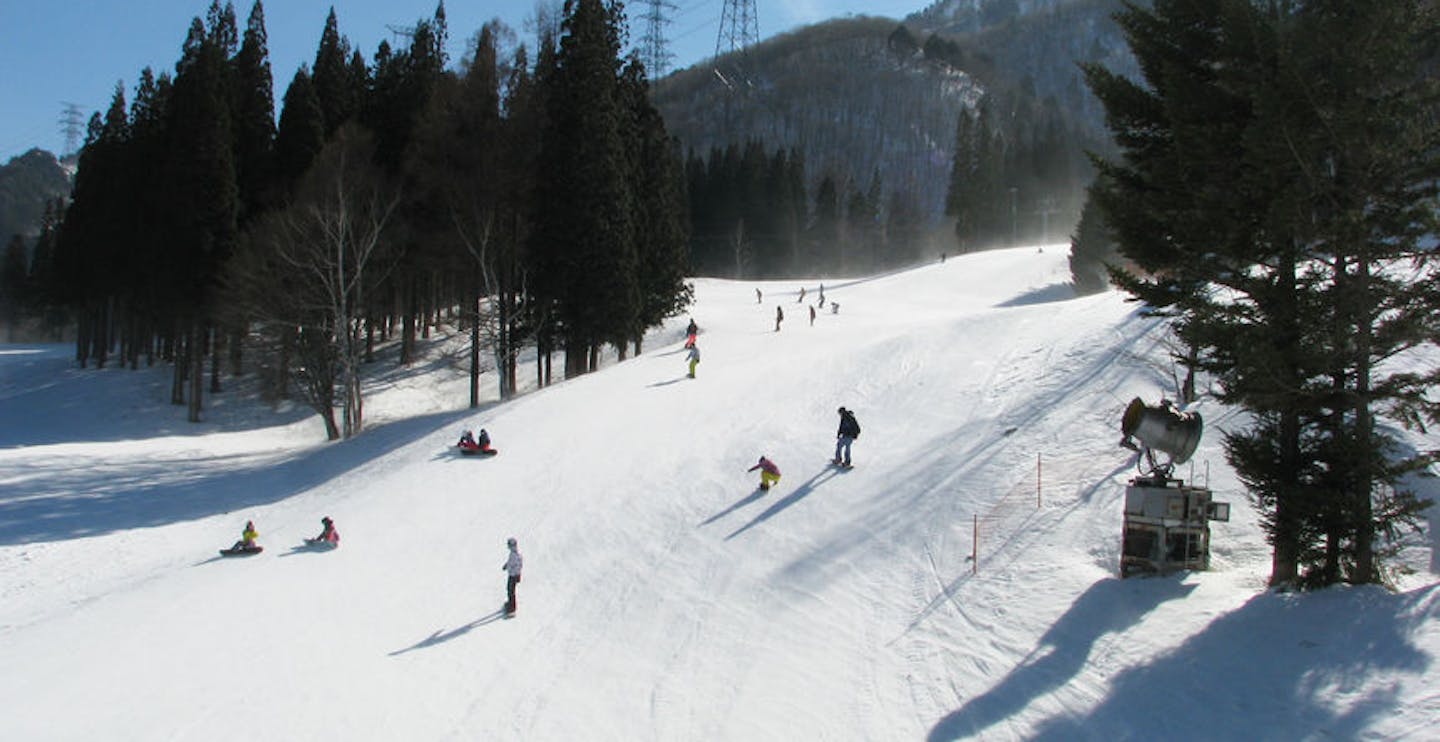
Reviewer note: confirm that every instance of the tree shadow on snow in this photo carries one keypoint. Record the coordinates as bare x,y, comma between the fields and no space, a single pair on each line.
1043,295
799,494
1109,606
442,636
1282,666
79,499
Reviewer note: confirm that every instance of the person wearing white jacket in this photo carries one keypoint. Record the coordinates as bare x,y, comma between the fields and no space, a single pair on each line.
511,567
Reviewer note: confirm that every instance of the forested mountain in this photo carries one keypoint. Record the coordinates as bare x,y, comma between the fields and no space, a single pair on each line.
27,183
874,106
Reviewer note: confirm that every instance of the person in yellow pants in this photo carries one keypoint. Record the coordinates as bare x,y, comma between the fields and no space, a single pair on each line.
769,473
694,356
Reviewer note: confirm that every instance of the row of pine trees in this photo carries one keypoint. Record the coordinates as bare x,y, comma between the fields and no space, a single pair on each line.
540,204
1276,194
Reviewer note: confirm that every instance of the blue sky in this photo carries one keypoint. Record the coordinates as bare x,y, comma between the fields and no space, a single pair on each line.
54,52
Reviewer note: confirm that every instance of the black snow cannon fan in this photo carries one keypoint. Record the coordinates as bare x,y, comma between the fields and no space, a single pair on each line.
1163,428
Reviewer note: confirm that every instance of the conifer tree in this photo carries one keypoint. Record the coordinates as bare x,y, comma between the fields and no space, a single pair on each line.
301,132
584,244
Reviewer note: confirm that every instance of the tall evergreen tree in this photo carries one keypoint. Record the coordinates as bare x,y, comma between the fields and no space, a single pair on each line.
1263,250
585,244
254,111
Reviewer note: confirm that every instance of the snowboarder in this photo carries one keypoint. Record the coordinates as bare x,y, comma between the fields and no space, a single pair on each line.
812,316
694,357
848,432
758,298
769,473
511,567
467,440
328,534
821,303
801,300
779,316
690,332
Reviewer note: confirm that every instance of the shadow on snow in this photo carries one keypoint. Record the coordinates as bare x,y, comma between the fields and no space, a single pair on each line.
92,501
442,636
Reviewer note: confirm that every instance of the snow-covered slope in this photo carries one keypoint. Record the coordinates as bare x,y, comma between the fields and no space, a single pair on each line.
664,596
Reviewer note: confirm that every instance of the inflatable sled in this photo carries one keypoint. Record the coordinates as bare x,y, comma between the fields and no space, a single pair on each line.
242,551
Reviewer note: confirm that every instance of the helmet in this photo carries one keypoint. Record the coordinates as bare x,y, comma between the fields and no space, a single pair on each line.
511,542
325,520
841,410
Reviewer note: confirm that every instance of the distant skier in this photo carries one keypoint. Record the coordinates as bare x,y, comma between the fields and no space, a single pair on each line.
812,316
801,300
328,534
821,303
848,432
779,317
511,567
694,358
690,332
758,296
769,473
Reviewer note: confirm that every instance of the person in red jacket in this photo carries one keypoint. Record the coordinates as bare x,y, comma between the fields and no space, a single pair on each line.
769,472
328,534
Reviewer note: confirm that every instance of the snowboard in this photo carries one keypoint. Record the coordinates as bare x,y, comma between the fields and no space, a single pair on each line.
317,544
840,466
242,551
477,452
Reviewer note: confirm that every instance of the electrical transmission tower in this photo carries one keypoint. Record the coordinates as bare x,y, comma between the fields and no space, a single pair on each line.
653,52
739,30
72,121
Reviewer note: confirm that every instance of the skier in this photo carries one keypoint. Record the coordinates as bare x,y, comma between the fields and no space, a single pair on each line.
511,567
328,534
849,431
779,315
801,300
769,473
690,332
247,537
758,298
821,303
694,357
812,316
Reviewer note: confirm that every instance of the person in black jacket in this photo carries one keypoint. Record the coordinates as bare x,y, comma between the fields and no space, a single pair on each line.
849,431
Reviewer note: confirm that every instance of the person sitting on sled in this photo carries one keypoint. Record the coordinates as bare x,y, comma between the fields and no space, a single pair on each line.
328,535
467,440
247,537
769,472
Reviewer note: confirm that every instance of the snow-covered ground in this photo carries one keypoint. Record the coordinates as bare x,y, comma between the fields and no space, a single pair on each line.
665,597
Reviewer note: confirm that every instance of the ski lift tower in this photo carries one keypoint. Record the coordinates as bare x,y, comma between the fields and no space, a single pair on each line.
1167,522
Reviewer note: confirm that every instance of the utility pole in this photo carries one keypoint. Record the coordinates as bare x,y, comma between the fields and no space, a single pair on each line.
653,52
72,120
739,30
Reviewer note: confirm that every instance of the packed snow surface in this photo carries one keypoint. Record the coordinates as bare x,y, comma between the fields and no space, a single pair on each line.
665,596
